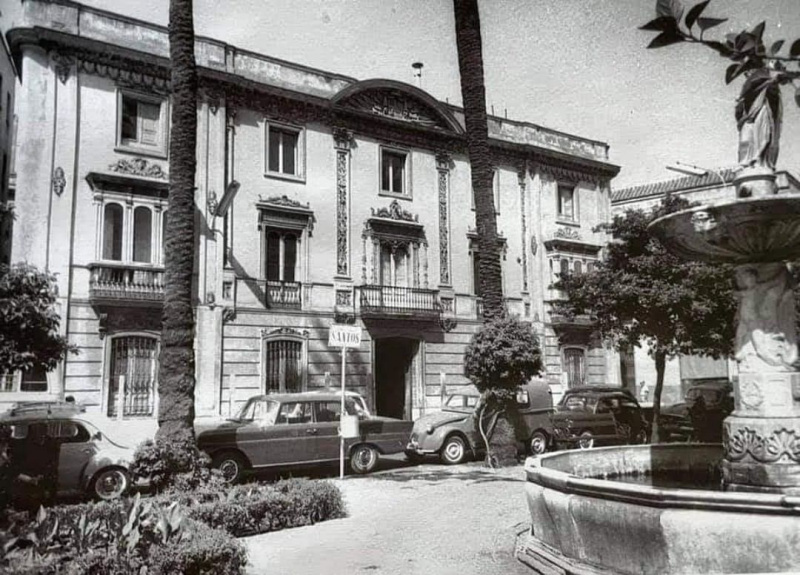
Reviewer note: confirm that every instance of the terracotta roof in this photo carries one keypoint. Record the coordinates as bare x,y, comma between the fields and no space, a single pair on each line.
710,178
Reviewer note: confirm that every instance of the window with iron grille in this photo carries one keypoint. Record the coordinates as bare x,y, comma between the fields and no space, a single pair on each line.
283,365
132,376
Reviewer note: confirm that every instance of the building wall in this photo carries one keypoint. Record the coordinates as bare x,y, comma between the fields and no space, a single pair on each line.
8,85
70,158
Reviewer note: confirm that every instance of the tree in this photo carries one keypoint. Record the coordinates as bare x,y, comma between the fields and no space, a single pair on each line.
28,321
746,49
641,293
473,95
501,357
176,375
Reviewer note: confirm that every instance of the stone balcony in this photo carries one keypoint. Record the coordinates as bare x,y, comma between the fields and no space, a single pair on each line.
126,284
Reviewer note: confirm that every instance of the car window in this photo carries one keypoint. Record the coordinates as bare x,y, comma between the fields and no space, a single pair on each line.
575,403
295,412
325,411
19,431
72,432
522,397
260,409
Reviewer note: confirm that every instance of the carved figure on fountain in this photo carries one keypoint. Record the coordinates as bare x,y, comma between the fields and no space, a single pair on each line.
766,337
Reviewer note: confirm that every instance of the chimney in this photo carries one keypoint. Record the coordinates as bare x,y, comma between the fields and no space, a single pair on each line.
417,66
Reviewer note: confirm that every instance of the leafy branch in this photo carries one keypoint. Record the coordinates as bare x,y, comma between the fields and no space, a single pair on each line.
746,49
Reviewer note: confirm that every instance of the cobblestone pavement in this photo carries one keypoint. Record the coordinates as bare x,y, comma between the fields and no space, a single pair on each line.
428,519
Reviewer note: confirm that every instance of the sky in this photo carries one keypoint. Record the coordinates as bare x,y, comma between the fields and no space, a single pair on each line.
577,66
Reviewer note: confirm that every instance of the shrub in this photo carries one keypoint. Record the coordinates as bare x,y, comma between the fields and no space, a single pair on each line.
503,355
168,464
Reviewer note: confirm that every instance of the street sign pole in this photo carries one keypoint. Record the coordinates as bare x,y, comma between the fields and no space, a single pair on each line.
341,421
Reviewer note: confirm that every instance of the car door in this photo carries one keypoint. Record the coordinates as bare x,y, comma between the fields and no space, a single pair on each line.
326,416
292,438
76,450
250,431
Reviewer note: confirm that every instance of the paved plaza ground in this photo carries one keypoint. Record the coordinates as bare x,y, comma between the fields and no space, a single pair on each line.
428,519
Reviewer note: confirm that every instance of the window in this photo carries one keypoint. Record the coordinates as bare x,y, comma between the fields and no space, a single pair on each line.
394,265
281,260
563,267
284,153
495,191
28,381
567,208
132,376
575,366
283,365
142,234
394,172
327,411
577,267
259,409
133,232
142,123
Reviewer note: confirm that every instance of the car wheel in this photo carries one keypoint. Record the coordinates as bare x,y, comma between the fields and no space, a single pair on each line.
454,450
364,459
586,440
110,483
538,443
231,465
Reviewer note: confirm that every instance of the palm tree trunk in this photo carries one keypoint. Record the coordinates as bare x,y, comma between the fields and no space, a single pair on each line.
473,94
661,362
176,377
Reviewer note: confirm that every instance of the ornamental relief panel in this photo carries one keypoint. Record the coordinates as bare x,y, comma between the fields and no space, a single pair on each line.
781,445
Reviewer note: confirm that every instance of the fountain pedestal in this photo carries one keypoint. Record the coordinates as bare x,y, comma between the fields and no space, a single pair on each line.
758,233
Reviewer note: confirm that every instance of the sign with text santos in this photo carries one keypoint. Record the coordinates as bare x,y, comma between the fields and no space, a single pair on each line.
344,336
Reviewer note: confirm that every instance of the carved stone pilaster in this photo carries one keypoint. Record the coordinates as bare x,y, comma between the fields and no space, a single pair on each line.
343,140
521,178
443,184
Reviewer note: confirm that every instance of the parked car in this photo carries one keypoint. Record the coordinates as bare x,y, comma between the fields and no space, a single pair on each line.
598,415
88,460
290,429
452,433
699,417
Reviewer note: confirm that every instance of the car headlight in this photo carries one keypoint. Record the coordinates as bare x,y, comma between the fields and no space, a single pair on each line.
429,429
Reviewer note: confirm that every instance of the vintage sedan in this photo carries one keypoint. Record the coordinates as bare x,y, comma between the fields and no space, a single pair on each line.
699,417
452,434
598,415
88,460
291,429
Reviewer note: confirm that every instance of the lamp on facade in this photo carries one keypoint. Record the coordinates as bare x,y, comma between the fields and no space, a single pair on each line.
227,198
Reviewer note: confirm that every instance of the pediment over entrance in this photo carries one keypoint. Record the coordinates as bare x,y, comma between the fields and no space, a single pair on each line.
398,102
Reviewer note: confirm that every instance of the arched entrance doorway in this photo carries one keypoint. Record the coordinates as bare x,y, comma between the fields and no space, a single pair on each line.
396,375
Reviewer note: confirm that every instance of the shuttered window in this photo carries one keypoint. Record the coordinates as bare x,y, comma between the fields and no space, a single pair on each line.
283,366
142,122
133,374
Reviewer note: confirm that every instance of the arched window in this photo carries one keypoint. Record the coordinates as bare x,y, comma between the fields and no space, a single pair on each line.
564,267
112,232
142,234
132,376
578,266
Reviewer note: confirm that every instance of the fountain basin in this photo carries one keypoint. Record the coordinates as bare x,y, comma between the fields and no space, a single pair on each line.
583,521
763,229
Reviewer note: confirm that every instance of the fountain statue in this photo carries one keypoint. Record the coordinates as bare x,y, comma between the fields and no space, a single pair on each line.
621,509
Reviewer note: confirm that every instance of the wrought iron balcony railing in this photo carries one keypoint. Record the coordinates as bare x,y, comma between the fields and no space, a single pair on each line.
112,281
398,301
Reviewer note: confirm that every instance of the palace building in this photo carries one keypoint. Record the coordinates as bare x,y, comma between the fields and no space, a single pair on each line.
320,199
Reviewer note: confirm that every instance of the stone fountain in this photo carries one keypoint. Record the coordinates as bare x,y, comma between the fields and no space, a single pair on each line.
730,508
